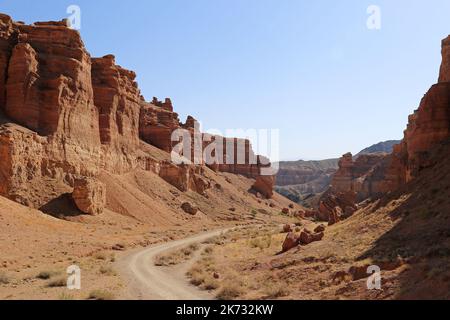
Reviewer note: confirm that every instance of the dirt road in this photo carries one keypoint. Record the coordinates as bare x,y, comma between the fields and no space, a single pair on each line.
145,281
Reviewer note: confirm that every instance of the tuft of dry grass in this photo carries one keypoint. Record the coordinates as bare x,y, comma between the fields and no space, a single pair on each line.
48,274
275,290
101,256
101,295
229,291
66,296
4,279
57,283
262,243
176,257
107,270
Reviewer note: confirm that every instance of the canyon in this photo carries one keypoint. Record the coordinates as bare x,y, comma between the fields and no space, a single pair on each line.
372,176
88,177
304,182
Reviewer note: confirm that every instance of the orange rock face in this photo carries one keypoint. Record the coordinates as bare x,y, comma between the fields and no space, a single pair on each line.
444,74
65,116
89,196
356,176
156,124
118,100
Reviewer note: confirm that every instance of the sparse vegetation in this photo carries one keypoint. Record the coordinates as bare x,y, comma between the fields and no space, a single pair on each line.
107,270
176,257
260,242
229,291
46,275
66,296
4,279
275,290
58,282
101,256
101,295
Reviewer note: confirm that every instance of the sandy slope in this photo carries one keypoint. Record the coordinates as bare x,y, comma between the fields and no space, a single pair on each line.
149,282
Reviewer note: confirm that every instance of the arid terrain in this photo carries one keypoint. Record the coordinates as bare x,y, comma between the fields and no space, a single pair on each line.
87,179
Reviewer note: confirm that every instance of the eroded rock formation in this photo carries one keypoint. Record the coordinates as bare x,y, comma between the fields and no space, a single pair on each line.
429,126
65,115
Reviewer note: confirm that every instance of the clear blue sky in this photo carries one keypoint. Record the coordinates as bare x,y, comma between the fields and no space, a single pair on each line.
310,68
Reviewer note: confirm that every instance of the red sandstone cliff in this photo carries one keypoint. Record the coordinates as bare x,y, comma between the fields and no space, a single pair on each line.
371,176
65,116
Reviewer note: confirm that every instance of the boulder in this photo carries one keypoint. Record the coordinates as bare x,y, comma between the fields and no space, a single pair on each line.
89,195
189,208
264,185
320,228
307,237
290,242
335,216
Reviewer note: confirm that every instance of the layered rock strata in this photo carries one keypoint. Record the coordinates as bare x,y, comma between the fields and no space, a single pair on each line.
65,117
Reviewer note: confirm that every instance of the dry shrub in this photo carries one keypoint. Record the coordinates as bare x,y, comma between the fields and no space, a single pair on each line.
101,295
107,270
58,282
4,279
48,274
229,291
176,257
275,290
101,256
65,296
262,243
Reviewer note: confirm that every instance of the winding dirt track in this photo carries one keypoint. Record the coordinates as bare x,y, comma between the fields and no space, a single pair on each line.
146,281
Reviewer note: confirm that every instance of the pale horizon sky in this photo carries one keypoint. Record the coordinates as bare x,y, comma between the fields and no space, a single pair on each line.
311,69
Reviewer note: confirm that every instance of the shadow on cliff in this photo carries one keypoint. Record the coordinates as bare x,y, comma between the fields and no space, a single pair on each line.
61,207
421,235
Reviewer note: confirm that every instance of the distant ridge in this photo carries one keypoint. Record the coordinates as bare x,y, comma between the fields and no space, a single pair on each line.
382,147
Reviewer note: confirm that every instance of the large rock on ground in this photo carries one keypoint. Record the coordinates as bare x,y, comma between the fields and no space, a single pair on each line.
89,195
290,242
264,185
189,208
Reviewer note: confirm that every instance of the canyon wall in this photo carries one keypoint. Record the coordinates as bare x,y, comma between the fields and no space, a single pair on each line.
65,116
374,175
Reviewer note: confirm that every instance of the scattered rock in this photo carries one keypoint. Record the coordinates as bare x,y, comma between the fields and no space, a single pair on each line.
189,208
335,216
290,242
307,237
319,229
285,211
287,228
118,247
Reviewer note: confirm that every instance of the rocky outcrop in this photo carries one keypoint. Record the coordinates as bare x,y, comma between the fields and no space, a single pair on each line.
7,40
264,185
355,175
118,100
444,73
185,177
65,115
89,196
429,126
157,121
